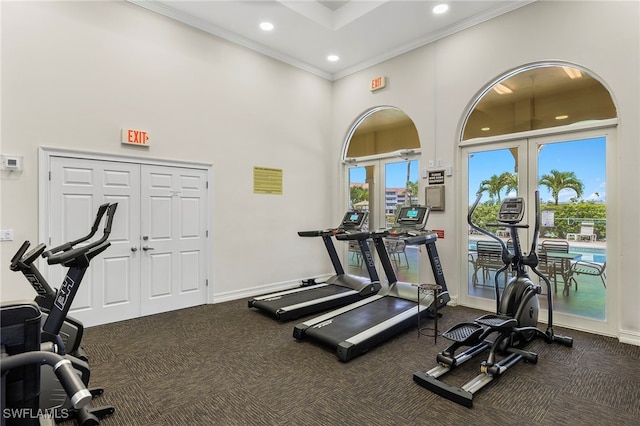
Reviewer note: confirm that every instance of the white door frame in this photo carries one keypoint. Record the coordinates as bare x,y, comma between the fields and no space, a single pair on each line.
44,202
607,128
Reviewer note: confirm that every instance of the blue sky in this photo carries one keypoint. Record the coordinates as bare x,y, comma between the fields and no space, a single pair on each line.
586,158
396,174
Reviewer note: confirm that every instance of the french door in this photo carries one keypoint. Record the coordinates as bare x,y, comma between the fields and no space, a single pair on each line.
570,173
381,187
157,259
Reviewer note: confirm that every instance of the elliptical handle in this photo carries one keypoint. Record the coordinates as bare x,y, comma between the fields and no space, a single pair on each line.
536,226
483,231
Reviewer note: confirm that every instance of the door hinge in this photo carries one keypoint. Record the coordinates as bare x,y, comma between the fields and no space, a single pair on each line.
49,175
207,184
207,233
206,282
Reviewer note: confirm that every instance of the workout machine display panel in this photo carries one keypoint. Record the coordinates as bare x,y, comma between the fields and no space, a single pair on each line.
353,220
411,218
511,210
413,215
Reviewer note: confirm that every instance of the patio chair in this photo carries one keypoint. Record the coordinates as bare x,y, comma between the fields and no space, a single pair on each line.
396,250
586,233
552,266
582,267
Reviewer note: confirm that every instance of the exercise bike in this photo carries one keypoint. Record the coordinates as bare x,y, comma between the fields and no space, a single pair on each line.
513,325
69,330
60,334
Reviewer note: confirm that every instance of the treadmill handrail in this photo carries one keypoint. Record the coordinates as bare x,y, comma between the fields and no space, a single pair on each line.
420,239
344,236
318,233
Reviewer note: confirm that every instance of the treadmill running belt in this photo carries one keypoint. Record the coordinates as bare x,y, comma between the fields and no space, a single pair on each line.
350,323
280,302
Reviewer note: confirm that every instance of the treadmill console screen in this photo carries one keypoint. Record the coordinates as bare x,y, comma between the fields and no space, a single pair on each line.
353,220
413,215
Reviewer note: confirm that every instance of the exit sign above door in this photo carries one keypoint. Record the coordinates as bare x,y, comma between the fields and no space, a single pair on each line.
135,137
378,83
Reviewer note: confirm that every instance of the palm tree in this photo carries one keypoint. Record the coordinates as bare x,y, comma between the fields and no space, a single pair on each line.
410,193
556,181
496,183
358,193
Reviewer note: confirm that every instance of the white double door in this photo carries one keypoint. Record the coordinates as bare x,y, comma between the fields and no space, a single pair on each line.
157,260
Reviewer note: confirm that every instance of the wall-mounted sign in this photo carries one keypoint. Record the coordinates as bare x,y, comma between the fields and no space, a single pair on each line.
267,181
135,137
439,233
436,177
378,83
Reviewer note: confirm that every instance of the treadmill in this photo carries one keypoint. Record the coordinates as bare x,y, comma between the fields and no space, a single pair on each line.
355,328
339,290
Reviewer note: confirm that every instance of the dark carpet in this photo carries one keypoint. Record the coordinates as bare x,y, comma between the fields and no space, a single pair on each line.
226,364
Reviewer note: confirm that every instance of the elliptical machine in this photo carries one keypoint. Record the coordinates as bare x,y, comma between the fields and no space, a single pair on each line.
514,324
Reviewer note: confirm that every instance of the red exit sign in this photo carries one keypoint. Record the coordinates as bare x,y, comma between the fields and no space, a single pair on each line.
378,83
135,137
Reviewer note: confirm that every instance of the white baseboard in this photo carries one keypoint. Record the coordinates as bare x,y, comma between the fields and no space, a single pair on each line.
630,337
259,290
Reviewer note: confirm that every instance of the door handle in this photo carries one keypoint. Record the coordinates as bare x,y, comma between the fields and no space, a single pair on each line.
134,248
145,248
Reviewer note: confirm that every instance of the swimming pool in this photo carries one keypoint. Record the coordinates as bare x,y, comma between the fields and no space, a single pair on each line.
597,254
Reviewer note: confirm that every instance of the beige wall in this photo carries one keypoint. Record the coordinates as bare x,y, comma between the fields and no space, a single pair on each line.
435,85
75,73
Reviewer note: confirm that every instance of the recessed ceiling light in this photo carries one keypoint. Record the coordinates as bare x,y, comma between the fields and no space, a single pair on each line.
501,89
440,9
266,26
562,117
486,129
572,72
333,58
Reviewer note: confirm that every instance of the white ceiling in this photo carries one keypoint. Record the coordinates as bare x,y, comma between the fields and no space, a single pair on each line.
361,32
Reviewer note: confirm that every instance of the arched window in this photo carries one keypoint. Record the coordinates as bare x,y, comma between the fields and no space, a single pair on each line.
381,159
547,127
381,130
538,97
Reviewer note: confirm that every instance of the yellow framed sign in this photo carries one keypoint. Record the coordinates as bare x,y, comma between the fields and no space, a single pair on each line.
267,180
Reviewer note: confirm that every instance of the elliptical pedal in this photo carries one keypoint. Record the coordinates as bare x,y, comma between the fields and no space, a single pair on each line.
497,321
464,332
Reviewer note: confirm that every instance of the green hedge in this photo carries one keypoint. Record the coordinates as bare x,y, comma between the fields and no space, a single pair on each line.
567,218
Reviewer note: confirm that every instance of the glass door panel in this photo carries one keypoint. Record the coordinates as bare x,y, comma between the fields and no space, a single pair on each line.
571,179
570,173
495,173
401,189
361,183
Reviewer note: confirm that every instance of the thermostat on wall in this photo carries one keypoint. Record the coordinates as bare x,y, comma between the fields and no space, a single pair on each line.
11,163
